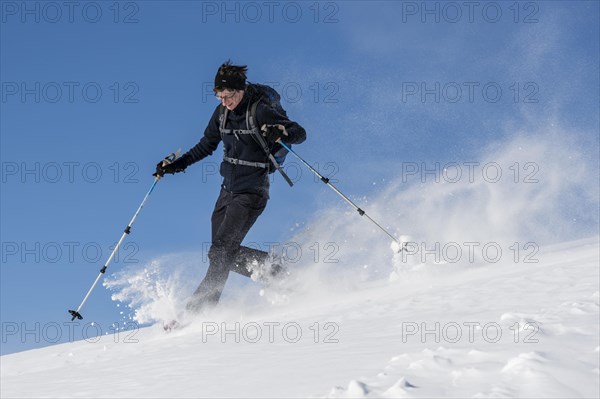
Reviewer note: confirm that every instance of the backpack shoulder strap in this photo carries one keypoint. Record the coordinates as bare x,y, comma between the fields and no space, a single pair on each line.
251,116
251,124
222,120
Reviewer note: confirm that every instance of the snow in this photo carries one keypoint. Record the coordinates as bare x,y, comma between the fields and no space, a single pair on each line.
380,341
366,321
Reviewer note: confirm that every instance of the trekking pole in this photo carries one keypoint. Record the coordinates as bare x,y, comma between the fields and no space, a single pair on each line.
325,180
75,313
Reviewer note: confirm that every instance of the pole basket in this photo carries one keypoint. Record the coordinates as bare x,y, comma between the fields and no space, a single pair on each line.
76,315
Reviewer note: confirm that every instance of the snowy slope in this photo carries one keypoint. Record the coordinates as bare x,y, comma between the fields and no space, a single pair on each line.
362,321
370,348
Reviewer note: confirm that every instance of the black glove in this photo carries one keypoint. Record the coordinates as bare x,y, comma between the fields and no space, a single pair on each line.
169,167
273,132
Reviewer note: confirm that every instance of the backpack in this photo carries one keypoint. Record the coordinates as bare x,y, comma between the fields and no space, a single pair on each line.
271,98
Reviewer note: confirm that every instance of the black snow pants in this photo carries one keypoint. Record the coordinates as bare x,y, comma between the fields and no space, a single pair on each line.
232,218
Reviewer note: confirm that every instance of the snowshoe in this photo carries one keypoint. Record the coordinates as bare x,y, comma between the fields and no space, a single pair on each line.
172,325
269,272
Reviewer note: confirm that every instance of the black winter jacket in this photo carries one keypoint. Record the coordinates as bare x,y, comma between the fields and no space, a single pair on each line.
242,178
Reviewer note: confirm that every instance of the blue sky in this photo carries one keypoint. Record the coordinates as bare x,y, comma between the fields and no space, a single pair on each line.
95,93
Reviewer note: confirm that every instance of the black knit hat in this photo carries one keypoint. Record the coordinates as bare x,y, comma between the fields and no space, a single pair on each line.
231,76
229,82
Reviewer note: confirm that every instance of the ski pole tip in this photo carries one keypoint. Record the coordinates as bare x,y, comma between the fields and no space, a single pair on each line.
399,245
